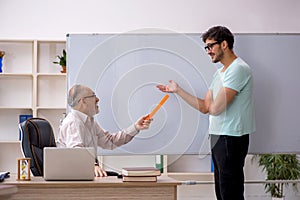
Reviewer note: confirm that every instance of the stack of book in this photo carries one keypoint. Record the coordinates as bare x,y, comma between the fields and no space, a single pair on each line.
138,174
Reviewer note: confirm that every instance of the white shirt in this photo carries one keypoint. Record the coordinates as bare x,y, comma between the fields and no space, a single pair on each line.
80,130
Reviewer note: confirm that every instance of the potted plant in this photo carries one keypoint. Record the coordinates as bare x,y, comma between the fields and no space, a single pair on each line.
62,61
279,167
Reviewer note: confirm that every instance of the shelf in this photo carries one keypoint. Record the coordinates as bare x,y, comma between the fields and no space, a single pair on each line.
47,52
18,56
9,120
10,142
51,91
16,91
207,178
197,163
14,108
15,74
53,116
52,74
30,84
9,41
51,108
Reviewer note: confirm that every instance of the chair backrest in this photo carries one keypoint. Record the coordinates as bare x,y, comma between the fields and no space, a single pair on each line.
36,133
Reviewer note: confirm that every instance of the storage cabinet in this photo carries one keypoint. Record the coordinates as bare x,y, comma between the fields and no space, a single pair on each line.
30,84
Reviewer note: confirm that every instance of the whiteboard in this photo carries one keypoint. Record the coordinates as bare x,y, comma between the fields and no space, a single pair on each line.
123,70
274,59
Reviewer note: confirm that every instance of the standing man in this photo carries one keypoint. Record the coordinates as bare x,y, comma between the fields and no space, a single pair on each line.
230,106
80,130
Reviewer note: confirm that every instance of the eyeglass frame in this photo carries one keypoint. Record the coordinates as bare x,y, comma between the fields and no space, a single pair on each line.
209,46
90,96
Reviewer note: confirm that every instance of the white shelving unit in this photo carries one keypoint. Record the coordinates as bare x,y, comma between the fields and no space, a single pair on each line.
30,84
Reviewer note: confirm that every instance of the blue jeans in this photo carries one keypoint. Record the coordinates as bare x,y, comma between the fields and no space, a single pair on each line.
228,154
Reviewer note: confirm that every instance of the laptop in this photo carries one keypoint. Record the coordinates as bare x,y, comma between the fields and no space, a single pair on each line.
69,163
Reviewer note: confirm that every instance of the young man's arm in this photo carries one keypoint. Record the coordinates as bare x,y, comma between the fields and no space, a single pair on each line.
223,99
206,105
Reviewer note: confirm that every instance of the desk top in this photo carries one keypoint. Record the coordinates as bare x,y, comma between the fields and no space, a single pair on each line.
98,181
7,190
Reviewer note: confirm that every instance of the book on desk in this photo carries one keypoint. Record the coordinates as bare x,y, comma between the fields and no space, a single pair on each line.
139,178
140,174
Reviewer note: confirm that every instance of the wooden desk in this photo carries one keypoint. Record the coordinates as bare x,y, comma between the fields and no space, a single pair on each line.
101,188
7,191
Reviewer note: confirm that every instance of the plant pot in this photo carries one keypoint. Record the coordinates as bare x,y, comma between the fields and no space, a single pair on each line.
63,69
277,198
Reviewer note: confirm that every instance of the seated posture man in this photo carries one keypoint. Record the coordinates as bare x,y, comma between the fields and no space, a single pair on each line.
80,130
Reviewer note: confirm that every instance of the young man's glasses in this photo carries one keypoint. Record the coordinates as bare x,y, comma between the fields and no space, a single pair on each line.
209,46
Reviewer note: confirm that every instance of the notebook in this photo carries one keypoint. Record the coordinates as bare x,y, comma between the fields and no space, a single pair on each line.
69,163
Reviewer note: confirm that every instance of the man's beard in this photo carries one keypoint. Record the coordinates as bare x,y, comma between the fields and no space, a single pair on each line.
218,57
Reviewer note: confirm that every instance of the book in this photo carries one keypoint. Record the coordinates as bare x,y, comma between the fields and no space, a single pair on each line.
139,178
140,171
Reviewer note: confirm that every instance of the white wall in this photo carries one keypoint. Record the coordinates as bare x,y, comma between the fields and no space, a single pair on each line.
52,19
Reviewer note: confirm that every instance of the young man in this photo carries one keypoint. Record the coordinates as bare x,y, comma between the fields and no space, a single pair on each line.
80,130
230,105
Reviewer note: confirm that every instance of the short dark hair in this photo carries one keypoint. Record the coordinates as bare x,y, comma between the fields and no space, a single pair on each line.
219,34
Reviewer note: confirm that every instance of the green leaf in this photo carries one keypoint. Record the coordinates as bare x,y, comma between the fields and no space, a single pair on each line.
279,167
62,59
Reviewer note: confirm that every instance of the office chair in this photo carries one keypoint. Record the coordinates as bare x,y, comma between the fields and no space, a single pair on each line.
36,133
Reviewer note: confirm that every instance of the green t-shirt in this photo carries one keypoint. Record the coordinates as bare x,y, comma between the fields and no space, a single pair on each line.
238,117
